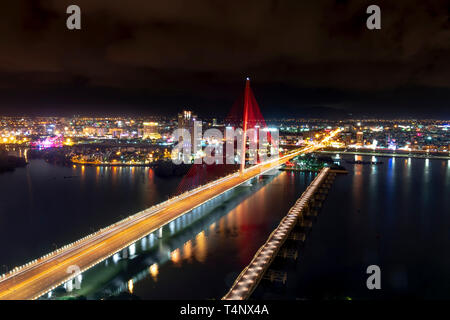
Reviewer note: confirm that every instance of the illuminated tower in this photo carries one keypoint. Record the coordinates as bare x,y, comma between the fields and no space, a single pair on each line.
186,120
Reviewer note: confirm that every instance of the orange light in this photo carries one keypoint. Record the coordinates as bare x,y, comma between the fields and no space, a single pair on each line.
154,271
175,256
130,286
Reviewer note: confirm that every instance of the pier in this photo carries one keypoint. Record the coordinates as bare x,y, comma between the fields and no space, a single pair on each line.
259,267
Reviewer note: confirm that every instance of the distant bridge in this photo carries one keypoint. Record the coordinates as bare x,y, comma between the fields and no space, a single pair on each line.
250,277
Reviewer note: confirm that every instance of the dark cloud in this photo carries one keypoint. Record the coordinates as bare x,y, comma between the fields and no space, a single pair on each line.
147,51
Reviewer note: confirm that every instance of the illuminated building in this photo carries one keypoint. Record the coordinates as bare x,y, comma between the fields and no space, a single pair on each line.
151,130
116,132
347,138
186,120
359,138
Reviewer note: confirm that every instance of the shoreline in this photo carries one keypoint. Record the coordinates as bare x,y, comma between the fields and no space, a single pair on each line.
110,164
388,155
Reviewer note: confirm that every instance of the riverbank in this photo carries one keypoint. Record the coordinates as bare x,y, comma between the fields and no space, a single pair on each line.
111,164
387,154
312,170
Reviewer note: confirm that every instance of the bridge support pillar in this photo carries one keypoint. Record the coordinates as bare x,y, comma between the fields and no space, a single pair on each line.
247,183
69,286
160,232
151,239
124,253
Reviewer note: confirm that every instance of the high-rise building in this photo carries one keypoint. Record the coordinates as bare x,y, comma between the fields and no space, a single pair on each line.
116,132
359,138
151,130
347,138
187,120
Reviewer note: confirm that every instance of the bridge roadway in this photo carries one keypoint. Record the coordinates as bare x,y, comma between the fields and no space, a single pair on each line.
44,274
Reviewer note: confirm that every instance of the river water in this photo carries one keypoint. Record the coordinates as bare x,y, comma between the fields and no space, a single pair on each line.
44,206
395,215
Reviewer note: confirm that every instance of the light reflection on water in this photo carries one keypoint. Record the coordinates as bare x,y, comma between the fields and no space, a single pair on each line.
398,219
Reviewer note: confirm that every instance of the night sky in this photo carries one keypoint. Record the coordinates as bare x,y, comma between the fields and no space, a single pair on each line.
151,57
